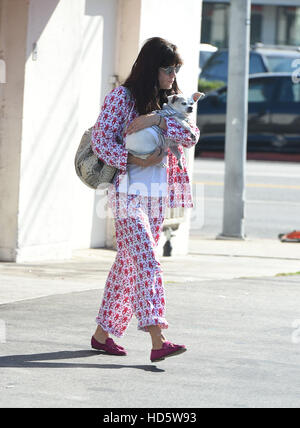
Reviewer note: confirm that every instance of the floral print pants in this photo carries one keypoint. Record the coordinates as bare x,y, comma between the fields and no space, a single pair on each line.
135,283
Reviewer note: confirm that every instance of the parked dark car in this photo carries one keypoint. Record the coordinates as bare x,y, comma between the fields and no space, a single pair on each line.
205,52
273,115
262,60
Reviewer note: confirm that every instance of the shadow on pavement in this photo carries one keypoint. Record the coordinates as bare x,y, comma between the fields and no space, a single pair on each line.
36,361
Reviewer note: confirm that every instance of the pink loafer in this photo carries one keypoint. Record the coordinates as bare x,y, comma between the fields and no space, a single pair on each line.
109,346
168,350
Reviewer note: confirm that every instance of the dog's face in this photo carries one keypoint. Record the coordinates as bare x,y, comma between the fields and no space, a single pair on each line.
184,105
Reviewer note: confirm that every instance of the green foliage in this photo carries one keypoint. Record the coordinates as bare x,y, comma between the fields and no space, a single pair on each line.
288,274
207,86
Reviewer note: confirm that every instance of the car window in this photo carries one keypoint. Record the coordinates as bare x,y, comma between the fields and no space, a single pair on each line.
260,91
256,64
216,66
278,63
204,57
289,92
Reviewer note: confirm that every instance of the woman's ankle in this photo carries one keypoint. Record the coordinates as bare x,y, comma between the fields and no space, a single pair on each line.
100,335
157,344
156,336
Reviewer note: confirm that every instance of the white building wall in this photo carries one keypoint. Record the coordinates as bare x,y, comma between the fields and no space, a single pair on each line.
69,57
97,68
50,129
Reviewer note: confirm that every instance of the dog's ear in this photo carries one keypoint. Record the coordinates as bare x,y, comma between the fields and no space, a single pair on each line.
197,95
172,99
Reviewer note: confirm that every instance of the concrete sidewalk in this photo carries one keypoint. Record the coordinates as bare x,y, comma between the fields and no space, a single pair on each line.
208,259
241,325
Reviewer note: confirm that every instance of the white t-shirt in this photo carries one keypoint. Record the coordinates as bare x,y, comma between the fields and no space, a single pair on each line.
150,181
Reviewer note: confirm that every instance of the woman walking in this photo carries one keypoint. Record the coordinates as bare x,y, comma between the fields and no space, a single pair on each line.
141,191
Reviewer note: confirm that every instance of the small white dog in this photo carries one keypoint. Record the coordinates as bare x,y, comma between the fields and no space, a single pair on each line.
144,142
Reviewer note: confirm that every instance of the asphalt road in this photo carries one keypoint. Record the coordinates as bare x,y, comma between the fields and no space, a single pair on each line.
243,351
272,197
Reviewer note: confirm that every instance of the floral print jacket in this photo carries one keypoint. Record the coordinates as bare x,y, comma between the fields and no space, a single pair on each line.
117,112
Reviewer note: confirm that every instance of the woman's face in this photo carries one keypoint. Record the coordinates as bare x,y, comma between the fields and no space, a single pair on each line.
166,80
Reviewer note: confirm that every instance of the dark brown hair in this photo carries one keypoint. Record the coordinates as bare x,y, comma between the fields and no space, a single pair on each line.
143,79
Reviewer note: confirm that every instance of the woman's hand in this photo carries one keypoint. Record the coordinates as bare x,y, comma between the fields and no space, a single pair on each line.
151,160
143,121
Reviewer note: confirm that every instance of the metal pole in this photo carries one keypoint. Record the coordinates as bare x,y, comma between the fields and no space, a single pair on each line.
236,121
